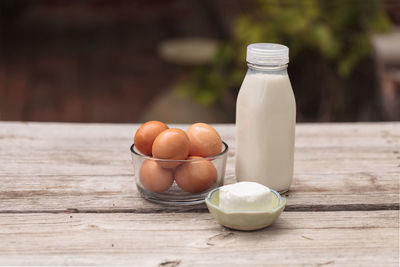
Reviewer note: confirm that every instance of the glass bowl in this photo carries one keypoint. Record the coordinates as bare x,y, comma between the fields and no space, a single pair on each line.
213,177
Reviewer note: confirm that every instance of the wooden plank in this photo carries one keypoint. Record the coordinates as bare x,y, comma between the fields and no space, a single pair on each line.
54,167
297,238
118,193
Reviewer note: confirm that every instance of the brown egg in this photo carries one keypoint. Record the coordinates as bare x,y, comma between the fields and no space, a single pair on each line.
155,178
172,144
196,176
146,135
204,140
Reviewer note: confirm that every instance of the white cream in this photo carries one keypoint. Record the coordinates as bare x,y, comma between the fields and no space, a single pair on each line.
245,196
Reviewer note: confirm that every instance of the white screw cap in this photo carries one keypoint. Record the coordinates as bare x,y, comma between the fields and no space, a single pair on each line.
267,54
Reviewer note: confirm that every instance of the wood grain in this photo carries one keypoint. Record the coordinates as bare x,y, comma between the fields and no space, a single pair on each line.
311,238
68,197
54,167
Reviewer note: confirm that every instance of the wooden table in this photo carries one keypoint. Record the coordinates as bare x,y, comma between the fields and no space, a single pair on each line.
68,197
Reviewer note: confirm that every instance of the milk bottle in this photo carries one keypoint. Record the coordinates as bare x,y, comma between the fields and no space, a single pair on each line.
265,119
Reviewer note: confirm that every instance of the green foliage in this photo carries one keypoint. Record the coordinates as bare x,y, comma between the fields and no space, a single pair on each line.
337,30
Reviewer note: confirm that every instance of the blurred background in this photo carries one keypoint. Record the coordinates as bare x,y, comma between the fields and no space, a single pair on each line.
184,60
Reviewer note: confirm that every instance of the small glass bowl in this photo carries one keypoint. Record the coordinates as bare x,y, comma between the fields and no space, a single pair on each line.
175,195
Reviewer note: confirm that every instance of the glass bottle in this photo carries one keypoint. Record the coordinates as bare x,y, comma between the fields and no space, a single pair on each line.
266,119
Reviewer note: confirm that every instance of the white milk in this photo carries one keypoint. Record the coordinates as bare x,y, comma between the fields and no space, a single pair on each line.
265,119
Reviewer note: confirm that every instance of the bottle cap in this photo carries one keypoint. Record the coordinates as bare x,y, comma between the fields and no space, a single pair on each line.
267,54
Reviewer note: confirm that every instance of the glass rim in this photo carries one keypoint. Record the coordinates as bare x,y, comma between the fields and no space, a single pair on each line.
222,153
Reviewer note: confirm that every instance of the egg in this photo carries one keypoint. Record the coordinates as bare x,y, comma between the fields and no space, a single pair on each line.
196,176
146,135
204,140
171,144
155,178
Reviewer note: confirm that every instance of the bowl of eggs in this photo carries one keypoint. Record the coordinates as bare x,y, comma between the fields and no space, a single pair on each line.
177,167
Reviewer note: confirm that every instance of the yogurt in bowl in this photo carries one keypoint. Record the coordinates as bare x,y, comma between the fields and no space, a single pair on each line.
245,206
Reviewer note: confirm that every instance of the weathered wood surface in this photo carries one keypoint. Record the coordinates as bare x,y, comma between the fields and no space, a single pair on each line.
68,197
87,167
367,238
